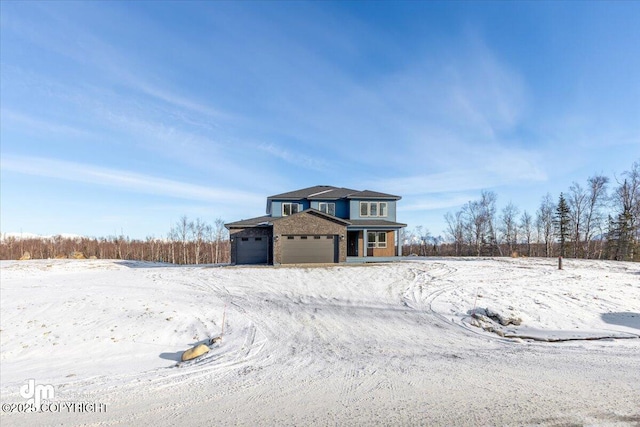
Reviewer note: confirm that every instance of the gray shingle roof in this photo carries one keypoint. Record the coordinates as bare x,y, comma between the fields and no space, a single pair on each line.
315,192
267,221
378,223
368,194
261,221
330,192
317,213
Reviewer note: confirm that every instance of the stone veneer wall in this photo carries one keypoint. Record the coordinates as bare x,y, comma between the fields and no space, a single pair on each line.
306,223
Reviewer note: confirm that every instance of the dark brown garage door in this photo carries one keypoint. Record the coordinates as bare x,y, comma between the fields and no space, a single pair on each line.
309,249
253,250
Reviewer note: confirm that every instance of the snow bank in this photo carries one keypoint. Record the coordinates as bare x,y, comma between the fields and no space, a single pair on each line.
416,342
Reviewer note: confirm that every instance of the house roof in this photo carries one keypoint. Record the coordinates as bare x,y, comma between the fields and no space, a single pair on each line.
315,192
316,213
368,194
319,192
267,221
376,223
260,221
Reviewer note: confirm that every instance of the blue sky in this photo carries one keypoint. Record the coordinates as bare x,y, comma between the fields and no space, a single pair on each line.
120,117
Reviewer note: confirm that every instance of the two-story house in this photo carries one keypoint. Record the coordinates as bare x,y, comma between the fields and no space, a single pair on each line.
321,224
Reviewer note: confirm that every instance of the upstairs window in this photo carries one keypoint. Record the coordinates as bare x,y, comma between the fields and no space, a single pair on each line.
382,209
373,209
290,208
328,208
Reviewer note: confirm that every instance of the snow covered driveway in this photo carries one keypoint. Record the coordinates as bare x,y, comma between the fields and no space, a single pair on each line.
421,342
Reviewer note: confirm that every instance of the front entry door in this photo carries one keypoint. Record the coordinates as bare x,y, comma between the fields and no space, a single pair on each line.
352,243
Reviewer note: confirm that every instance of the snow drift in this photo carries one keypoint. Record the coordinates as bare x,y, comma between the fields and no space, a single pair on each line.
437,342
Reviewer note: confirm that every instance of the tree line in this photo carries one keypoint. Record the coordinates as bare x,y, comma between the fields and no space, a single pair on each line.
599,219
187,242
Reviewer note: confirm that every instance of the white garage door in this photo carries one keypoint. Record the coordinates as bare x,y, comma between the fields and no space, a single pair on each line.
309,249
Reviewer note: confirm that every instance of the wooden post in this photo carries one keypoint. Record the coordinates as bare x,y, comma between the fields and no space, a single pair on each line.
559,263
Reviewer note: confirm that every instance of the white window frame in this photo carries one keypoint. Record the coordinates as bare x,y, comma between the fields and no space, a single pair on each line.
377,242
291,205
382,212
328,207
381,209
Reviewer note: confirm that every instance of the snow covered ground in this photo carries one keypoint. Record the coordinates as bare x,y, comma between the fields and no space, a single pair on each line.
421,342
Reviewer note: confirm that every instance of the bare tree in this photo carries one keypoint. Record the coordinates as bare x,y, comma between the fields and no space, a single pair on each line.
220,231
625,228
509,226
526,226
544,223
423,236
475,225
593,217
182,229
197,229
577,202
479,218
455,230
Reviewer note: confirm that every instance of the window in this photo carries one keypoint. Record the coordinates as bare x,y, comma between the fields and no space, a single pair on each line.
382,239
377,239
290,208
377,209
328,208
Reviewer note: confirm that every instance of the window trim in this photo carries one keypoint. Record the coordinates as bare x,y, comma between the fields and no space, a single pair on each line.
328,205
291,204
378,210
377,242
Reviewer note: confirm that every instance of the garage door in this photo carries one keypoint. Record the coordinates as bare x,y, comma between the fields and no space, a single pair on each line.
253,250
308,249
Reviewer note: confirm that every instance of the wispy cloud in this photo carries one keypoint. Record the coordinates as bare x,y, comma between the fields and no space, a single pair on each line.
293,157
428,203
23,122
486,168
129,181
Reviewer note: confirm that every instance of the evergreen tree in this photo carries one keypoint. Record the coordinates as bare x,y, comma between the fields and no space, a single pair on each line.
620,236
562,222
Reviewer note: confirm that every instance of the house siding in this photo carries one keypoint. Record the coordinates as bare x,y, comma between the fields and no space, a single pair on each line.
308,224
342,207
389,251
354,207
276,206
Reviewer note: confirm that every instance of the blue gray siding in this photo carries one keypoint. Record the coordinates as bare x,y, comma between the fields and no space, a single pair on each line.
276,206
391,210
